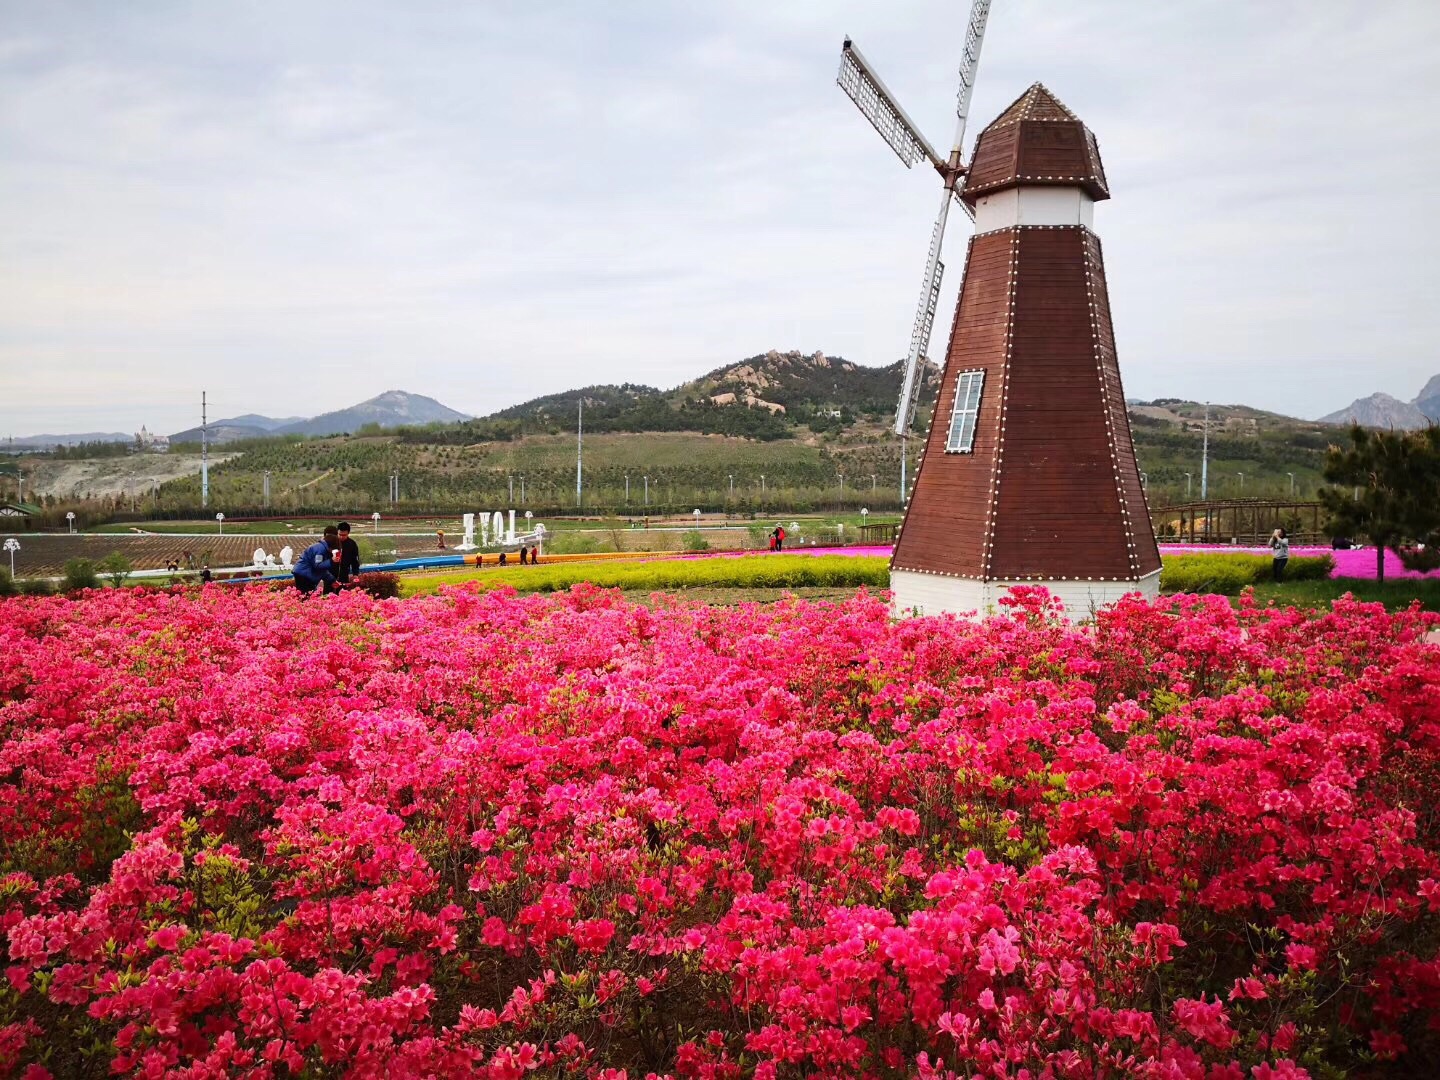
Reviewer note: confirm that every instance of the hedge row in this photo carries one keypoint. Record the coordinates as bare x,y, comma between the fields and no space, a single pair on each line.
1230,572
744,572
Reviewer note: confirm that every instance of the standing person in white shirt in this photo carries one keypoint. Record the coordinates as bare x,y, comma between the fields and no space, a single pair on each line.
1280,545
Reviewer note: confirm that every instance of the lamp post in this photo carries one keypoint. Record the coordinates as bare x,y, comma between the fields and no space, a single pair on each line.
732,484
522,489
510,479
1144,480
1292,483
762,485
528,515
267,489
696,512
12,545
872,483
647,491
627,489
375,518
70,519
1187,485
1242,479
220,520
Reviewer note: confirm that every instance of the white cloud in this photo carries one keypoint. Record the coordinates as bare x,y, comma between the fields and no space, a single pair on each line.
488,202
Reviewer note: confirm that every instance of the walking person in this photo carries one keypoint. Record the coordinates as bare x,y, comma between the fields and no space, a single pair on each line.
1280,545
316,565
348,569
779,537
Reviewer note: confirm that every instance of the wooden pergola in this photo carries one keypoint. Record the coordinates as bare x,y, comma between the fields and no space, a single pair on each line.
1240,521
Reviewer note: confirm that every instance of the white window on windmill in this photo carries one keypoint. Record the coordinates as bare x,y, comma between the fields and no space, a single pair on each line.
965,413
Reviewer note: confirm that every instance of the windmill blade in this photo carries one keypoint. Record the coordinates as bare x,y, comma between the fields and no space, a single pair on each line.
969,61
858,79
924,321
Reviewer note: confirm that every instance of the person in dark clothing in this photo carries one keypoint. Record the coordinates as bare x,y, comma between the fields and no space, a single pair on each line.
316,565
502,559
524,555
349,566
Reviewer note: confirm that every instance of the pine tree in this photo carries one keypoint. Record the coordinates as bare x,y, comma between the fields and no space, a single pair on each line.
1387,487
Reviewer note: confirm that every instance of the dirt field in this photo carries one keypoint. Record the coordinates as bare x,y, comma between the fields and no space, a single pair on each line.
46,555
135,474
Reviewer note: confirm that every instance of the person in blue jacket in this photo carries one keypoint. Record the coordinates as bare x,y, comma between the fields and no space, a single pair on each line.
316,565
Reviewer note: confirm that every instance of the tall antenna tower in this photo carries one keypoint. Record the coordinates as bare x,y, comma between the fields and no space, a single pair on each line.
204,454
858,79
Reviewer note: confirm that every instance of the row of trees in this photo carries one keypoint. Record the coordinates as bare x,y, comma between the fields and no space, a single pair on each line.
1387,489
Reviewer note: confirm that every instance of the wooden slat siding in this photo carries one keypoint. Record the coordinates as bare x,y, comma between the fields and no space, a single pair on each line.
1053,149
1041,153
944,527
1146,551
994,161
1097,166
1057,510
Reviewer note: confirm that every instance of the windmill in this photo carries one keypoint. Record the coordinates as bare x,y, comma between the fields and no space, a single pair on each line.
858,79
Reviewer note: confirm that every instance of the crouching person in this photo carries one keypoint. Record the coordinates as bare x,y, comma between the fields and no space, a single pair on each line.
315,568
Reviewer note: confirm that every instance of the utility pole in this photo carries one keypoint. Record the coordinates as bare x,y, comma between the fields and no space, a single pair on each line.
267,489
510,479
647,491
627,489
522,489
579,447
204,454
1187,485
1205,459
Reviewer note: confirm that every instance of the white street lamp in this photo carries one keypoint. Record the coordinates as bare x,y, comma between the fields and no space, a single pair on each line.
696,512
1292,483
528,515
220,518
70,519
864,513
1187,485
1242,479
375,517
647,491
12,545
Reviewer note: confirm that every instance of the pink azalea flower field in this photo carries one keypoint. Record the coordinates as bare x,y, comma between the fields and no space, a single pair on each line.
572,836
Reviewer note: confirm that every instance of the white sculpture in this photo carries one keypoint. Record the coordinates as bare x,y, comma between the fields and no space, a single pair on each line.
467,542
287,554
258,559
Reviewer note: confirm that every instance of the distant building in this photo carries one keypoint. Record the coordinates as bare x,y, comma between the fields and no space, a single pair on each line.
147,443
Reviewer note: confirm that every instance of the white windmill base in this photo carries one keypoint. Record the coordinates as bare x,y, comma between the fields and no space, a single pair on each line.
933,594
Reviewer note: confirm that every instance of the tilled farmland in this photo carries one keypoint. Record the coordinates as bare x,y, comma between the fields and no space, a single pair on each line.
45,555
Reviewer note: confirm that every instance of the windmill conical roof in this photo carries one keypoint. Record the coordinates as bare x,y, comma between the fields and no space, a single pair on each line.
1036,103
1035,141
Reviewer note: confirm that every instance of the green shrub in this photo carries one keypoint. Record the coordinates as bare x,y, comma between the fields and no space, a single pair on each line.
382,586
745,572
116,567
572,542
1230,572
1421,560
80,574
7,584
36,587
695,541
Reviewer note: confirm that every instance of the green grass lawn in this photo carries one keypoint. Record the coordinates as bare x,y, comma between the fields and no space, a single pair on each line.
1394,594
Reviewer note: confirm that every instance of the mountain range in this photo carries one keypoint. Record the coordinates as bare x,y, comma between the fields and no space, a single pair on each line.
1384,411
393,408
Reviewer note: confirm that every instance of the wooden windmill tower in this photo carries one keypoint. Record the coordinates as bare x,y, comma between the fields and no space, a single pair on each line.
1029,474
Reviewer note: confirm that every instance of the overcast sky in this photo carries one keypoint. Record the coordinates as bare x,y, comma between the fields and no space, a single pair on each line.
295,206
